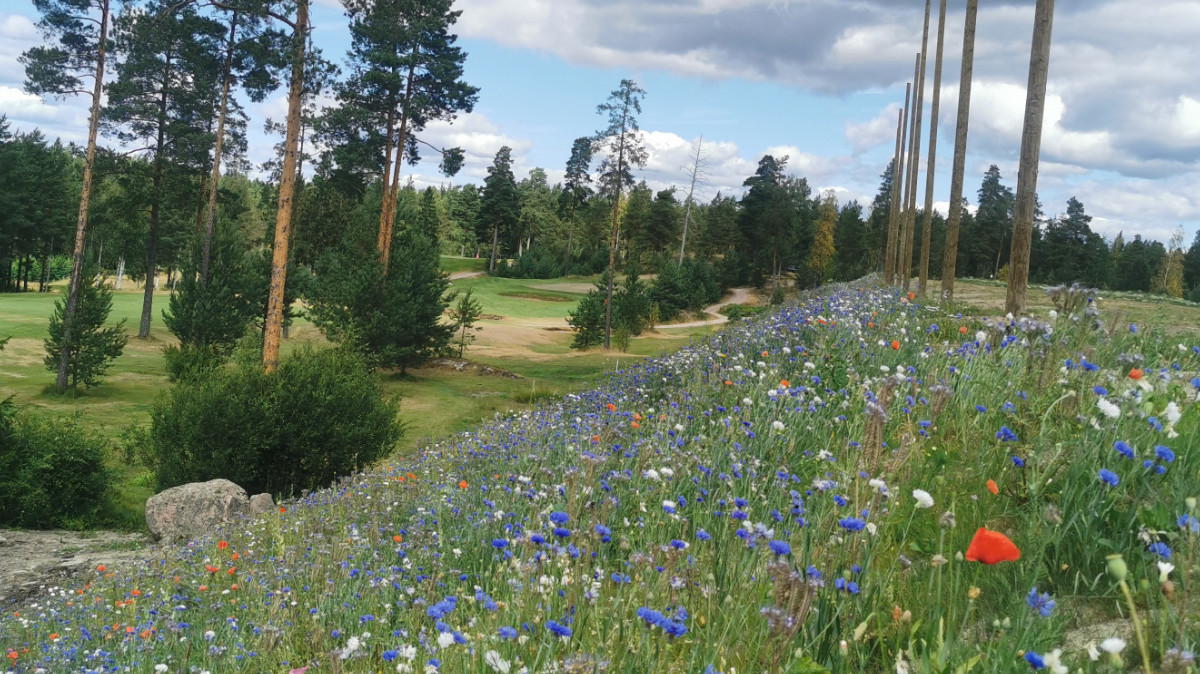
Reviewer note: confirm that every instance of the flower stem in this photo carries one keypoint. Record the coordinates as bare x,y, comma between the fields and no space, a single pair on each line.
1137,627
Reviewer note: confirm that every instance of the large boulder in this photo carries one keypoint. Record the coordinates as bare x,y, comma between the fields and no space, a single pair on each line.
195,510
261,504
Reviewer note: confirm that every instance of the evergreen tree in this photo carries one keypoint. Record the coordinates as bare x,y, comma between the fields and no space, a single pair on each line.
876,230
90,346
537,209
993,224
210,319
1191,269
766,222
576,190
429,222
463,315
661,229
500,204
853,243
392,317
625,150
720,226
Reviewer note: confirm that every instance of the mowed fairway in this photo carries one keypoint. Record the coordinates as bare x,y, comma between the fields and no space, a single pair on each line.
524,332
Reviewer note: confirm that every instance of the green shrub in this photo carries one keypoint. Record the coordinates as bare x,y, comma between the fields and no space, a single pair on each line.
52,471
319,416
91,347
186,360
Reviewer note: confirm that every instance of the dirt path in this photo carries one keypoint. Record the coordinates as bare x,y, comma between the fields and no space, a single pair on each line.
466,274
736,296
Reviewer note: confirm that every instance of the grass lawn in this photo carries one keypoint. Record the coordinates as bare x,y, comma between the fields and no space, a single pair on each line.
530,339
453,263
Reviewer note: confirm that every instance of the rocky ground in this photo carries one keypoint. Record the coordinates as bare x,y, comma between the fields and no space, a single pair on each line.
32,560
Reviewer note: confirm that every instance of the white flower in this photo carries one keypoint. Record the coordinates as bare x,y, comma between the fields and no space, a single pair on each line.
1053,662
1112,645
160,668
879,484
1164,570
1110,409
445,639
1092,651
980,336
1172,413
493,660
667,472
777,425
1053,315
408,652
924,500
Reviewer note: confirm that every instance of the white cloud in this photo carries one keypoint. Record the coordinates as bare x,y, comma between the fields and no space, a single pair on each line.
880,130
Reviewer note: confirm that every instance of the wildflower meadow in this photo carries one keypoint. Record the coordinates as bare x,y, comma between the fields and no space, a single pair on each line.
854,483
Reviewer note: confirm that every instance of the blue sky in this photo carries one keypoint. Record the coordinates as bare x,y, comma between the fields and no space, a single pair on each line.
818,80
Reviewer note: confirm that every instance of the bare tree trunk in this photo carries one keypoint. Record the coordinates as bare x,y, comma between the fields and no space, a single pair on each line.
898,173
911,224
495,246
211,213
388,217
612,246
954,218
155,204
1031,143
85,194
120,272
687,213
927,230
910,170
570,237
273,326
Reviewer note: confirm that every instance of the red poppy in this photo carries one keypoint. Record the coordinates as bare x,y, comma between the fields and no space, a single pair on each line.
962,329
895,345
396,538
991,547
221,545
595,439
911,296
462,484
784,383
991,486
1135,374
100,568
611,407
633,424
728,383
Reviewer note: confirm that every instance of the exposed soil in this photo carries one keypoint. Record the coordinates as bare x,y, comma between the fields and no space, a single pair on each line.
461,365
31,561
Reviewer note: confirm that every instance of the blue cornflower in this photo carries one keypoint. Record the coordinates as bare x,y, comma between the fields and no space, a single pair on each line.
559,517
1186,521
390,655
740,502
561,532
1034,660
1159,549
1042,603
1164,454
779,548
1005,434
1133,328
852,524
507,633
1123,449
1100,390
703,535
1108,477
980,408
537,539
560,630
619,578
839,500
499,543
678,544
1018,462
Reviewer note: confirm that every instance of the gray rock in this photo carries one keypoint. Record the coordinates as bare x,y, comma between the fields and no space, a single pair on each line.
261,504
195,510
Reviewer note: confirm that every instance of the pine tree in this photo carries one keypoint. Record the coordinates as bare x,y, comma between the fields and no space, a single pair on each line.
90,346
852,242
500,203
463,315
210,318
576,190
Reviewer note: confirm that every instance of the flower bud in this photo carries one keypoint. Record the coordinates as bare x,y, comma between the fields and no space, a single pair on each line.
1191,503
1117,568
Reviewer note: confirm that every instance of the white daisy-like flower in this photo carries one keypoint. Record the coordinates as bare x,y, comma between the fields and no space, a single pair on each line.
1164,570
497,663
924,500
1053,662
1108,408
445,639
777,425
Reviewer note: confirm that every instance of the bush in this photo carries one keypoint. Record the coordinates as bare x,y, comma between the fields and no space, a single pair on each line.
52,472
185,360
319,416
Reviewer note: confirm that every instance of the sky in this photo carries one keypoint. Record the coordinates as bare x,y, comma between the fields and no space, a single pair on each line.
817,80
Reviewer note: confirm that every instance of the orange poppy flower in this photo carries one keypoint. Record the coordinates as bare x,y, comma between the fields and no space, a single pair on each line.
962,329
202,588
12,655
991,486
100,568
1135,374
396,538
210,568
637,417
784,383
221,545
991,547
462,484
231,570
633,424
136,593
53,636
410,476
282,509
728,383
895,345
611,407
235,556
870,324
910,296
595,439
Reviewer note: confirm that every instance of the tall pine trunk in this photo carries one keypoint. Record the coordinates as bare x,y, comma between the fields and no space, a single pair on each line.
156,183
211,212
927,230
387,218
612,245
954,218
910,224
898,173
273,326
61,382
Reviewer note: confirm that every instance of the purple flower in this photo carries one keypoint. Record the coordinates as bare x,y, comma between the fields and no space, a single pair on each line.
560,630
1108,477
